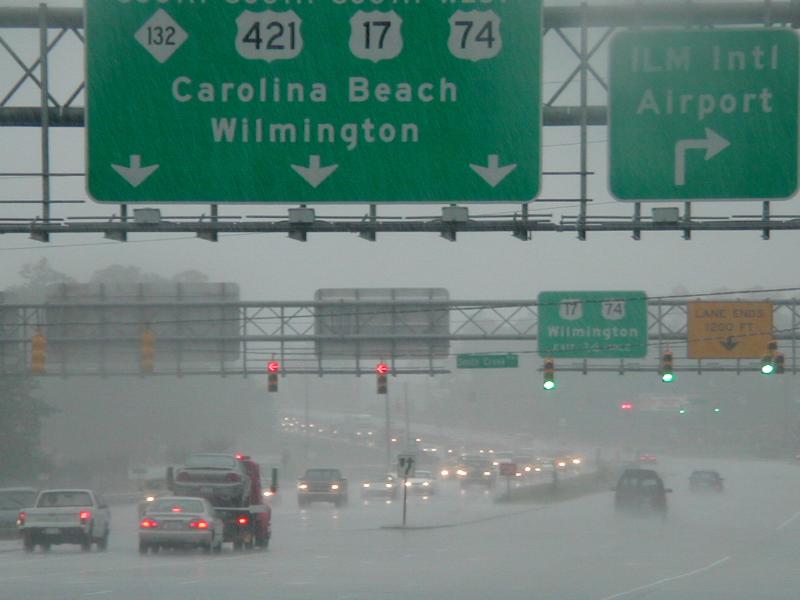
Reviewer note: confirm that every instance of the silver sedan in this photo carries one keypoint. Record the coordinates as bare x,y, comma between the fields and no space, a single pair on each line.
180,523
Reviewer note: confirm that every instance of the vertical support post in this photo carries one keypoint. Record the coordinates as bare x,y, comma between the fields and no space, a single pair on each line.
687,220
45,125
388,432
306,419
408,415
765,216
795,325
243,333
584,121
637,219
283,333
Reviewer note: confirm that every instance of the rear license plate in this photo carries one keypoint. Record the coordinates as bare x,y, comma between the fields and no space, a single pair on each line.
172,525
52,531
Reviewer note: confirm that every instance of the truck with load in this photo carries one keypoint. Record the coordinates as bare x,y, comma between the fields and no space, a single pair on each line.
232,485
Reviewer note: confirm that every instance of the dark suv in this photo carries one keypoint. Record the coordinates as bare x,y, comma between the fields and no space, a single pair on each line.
641,492
705,481
324,485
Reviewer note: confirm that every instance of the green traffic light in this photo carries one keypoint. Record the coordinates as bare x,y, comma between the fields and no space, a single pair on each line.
549,385
667,377
717,409
682,411
767,369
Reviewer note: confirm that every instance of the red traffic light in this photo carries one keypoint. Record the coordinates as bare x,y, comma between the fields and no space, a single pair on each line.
626,406
382,369
273,366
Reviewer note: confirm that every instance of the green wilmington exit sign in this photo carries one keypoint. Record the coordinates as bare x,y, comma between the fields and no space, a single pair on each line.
704,115
311,102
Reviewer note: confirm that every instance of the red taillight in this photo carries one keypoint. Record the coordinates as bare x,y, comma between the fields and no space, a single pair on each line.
233,477
183,476
199,524
85,516
243,520
148,524
21,518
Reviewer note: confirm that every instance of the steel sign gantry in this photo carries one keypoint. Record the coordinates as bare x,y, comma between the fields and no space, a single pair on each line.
285,332
569,26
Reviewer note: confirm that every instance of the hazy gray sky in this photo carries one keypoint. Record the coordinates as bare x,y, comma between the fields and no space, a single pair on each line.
478,265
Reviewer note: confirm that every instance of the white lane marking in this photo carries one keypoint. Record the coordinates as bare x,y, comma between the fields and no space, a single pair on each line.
100,593
789,521
669,579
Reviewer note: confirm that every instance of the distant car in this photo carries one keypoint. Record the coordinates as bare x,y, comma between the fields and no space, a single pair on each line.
646,458
640,492
385,487
322,485
423,483
706,481
476,470
12,501
172,522
152,489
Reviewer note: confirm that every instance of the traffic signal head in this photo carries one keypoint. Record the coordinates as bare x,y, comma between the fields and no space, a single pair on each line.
717,410
681,411
626,406
767,365
780,369
667,373
273,366
38,352
147,351
382,369
549,371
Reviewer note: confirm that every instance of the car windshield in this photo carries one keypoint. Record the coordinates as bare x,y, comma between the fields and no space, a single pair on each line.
64,499
322,474
16,499
172,505
210,461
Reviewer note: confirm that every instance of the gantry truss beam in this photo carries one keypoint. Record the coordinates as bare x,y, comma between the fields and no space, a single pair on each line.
290,332
581,32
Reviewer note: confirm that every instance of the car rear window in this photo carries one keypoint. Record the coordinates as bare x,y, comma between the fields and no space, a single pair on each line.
210,461
167,505
64,499
13,500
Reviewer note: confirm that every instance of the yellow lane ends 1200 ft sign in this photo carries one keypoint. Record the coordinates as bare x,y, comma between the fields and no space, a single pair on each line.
729,329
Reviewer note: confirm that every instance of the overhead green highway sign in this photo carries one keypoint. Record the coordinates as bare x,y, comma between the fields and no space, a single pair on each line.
704,115
487,361
592,324
313,102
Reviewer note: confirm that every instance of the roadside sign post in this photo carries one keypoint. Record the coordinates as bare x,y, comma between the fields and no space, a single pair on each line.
405,469
593,324
313,102
509,471
703,115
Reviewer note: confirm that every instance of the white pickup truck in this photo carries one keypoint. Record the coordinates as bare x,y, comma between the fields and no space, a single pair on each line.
66,517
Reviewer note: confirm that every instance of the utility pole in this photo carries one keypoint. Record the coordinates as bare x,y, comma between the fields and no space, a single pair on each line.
408,417
388,435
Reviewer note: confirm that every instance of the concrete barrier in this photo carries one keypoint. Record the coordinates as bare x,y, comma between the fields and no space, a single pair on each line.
600,480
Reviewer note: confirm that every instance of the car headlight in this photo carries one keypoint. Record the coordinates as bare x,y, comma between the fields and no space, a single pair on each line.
366,485
527,469
389,486
537,469
269,493
425,484
445,473
487,473
408,484
150,499
576,461
302,486
335,486
461,473
562,464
